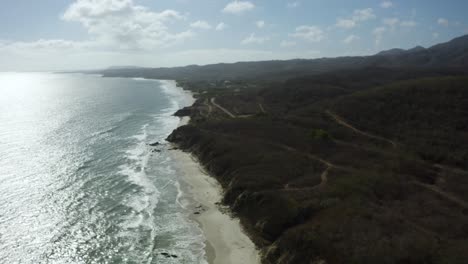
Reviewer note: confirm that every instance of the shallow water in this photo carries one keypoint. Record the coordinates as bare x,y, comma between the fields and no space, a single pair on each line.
79,182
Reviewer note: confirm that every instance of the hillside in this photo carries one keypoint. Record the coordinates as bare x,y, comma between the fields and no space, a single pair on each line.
426,115
358,166
340,160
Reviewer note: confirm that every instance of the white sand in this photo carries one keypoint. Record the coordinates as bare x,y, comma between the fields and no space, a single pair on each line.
226,241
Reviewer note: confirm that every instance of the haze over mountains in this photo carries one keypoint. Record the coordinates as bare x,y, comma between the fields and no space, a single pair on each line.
452,54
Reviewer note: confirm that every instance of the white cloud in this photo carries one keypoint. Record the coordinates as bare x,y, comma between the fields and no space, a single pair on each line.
346,23
394,22
378,33
200,24
46,45
386,4
238,7
443,22
253,39
85,10
122,24
379,30
408,23
359,15
260,24
309,33
435,35
221,26
350,39
286,43
391,22
363,14
119,32
293,4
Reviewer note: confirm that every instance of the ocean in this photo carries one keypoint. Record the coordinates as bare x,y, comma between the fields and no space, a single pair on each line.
79,182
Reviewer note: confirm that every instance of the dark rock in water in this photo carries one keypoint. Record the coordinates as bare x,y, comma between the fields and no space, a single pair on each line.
174,149
167,255
187,111
156,150
197,213
155,144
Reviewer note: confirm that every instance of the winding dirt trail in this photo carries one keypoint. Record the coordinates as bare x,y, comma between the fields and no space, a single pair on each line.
260,105
209,108
432,188
451,169
342,122
323,176
444,194
213,101
322,184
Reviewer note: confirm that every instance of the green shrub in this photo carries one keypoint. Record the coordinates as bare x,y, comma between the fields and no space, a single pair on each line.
319,134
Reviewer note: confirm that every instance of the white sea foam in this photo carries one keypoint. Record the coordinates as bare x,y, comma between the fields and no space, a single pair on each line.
179,199
179,97
135,169
142,79
160,185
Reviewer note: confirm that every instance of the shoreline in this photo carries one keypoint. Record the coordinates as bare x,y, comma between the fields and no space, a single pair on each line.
226,241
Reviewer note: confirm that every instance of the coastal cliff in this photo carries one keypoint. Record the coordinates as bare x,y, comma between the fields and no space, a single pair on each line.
314,182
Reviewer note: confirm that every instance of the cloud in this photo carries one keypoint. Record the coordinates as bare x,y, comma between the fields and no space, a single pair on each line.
363,14
293,4
346,23
378,33
253,39
408,23
46,45
394,22
386,4
238,7
435,35
391,22
260,24
309,33
221,26
85,10
200,24
350,39
443,22
359,15
121,24
286,43
379,30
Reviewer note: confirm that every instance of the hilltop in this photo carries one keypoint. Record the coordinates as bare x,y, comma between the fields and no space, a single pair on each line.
453,54
344,160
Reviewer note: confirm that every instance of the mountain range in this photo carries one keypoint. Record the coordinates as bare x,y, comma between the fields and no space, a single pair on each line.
453,54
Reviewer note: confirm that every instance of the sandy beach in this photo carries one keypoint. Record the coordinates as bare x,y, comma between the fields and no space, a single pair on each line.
226,242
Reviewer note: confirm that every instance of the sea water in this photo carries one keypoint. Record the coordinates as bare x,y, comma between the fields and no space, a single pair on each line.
79,182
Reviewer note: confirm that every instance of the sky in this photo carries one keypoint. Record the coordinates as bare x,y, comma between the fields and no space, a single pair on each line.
50,35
